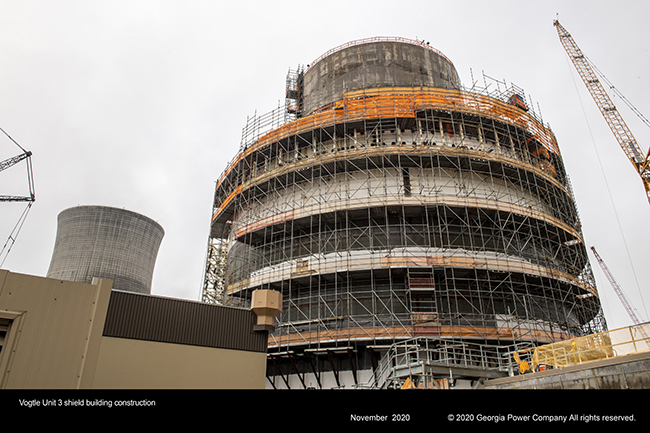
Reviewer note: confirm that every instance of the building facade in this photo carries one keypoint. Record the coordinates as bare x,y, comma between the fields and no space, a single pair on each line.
57,334
414,228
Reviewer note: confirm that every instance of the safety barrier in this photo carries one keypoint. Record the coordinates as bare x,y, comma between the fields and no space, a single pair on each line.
604,345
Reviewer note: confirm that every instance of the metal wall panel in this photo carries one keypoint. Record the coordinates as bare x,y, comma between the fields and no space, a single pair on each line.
145,317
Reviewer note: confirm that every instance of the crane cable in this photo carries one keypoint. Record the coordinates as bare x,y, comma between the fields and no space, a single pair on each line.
14,141
593,141
619,94
14,234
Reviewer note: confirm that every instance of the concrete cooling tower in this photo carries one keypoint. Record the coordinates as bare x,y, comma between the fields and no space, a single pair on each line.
416,229
106,242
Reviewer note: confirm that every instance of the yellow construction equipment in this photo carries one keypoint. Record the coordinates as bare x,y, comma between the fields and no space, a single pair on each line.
593,347
616,123
408,384
523,365
430,384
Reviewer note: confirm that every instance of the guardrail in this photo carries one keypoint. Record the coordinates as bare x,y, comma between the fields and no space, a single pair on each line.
408,356
604,345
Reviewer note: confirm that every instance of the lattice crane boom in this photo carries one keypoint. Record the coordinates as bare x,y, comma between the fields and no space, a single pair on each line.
7,163
628,307
639,159
14,160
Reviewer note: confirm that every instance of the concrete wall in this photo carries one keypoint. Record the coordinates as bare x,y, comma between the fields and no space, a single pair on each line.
625,372
375,64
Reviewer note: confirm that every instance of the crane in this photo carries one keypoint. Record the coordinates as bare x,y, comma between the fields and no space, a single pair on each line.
7,163
607,108
631,311
11,162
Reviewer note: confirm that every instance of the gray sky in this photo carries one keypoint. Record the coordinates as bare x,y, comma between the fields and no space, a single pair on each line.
140,105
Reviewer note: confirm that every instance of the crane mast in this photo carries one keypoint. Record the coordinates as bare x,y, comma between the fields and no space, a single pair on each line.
614,120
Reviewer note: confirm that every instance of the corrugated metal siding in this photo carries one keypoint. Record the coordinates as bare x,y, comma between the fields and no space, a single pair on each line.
166,320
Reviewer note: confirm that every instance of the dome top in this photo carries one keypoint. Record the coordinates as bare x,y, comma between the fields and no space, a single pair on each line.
372,63
378,39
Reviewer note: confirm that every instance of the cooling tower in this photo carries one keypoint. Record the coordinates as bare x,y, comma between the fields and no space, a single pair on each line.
414,228
106,242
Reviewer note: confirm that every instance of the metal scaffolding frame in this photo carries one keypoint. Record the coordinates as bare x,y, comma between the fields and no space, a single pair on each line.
400,213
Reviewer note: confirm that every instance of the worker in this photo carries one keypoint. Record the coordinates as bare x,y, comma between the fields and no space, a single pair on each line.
577,353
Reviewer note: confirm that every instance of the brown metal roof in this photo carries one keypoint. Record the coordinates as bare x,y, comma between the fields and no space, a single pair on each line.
144,317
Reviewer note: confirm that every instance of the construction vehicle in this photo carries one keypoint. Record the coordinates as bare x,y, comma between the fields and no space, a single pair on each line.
607,108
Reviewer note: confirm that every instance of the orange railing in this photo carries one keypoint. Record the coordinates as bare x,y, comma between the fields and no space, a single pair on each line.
399,102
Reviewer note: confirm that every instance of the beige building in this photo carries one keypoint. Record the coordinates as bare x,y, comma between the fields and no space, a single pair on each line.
58,334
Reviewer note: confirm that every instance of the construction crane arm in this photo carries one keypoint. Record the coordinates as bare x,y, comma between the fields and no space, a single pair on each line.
607,108
9,162
14,160
16,198
619,292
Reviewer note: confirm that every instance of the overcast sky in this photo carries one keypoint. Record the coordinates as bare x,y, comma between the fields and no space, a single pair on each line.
140,105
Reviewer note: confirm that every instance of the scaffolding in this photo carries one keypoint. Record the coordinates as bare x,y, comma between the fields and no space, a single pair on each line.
434,364
405,212
216,266
293,94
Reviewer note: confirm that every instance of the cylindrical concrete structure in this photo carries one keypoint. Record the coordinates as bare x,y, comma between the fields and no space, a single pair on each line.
374,63
106,242
396,214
